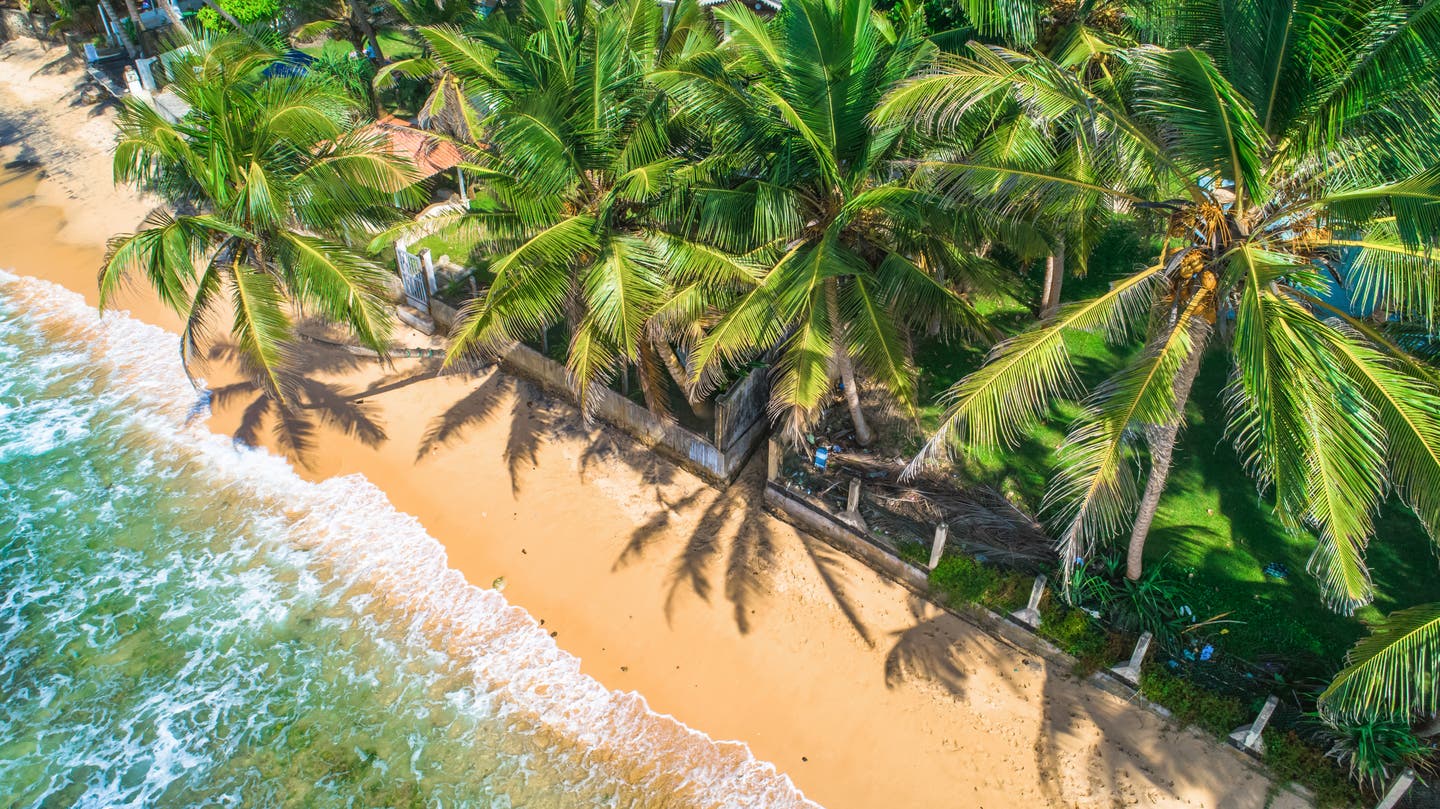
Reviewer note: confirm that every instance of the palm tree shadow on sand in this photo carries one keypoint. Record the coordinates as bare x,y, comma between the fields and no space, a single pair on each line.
735,538
312,404
533,418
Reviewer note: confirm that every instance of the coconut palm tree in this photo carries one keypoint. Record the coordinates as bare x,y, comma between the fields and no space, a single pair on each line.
1288,156
581,163
857,240
280,183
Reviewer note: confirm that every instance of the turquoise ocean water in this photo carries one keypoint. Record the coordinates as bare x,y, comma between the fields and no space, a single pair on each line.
187,623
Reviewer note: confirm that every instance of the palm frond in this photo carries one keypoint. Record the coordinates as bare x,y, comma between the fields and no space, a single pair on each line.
1393,671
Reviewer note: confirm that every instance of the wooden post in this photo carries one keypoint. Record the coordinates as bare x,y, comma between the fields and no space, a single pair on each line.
772,467
1130,672
1248,737
1397,790
1030,616
937,549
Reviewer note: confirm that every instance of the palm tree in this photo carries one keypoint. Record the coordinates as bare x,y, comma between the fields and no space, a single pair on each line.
281,183
857,241
1289,154
1082,37
352,18
581,163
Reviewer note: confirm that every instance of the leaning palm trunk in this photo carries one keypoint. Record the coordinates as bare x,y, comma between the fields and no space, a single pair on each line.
1161,439
1054,278
863,436
131,50
225,15
1429,728
362,24
176,21
133,10
698,405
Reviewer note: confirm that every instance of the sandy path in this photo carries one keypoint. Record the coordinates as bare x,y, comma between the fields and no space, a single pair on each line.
718,613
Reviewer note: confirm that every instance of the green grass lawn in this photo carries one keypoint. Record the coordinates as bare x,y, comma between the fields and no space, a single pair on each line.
396,45
1211,522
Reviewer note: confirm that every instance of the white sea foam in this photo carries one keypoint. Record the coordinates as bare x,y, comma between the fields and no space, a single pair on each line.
350,529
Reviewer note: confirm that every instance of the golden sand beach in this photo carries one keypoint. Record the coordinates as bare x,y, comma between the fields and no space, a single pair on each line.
716,612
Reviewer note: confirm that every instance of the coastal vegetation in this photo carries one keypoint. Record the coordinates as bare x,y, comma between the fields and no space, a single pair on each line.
1246,197
269,189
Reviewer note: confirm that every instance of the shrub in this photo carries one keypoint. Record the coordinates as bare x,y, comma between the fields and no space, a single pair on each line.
1152,604
1081,636
1376,749
1191,704
1291,759
962,580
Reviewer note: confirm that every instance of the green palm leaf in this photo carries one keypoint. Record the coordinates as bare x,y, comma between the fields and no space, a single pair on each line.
1393,671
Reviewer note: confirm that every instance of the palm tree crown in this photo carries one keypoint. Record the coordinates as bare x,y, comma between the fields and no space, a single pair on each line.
1289,151
281,182
580,171
855,244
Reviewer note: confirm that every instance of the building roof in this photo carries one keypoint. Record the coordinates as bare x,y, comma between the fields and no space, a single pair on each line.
430,154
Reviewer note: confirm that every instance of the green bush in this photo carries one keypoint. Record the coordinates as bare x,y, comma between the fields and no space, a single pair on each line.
1190,704
1081,636
1375,749
962,580
1291,759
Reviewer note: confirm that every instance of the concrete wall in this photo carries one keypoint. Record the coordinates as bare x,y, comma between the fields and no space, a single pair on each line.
718,464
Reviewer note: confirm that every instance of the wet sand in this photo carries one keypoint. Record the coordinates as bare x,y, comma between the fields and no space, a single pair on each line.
716,612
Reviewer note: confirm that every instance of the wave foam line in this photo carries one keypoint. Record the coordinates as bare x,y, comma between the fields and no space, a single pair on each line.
351,524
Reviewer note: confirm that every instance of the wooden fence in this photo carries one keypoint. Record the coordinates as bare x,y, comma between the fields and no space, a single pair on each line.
740,423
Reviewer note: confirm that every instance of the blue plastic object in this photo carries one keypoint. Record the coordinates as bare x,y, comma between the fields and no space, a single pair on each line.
822,454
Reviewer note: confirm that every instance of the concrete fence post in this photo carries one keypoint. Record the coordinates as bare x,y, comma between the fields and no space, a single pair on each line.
1397,790
1030,616
427,261
937,548
1248,737
851,514
1130,672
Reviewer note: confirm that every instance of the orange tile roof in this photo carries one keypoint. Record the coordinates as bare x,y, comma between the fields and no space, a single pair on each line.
430,154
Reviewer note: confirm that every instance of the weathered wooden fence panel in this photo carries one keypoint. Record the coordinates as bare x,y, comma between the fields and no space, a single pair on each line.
690,450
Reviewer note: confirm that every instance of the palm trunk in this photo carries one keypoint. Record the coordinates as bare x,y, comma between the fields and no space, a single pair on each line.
934,329
133,9
362,24
176,21
1161,439
1430,728
863,436
225,15
1054,279
130,48
677,371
